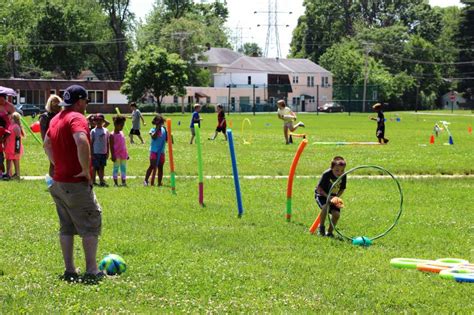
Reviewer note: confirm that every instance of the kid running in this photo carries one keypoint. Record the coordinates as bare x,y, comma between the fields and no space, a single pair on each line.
99,149
118,150
285,114
380,132
157,151
221,123
324,201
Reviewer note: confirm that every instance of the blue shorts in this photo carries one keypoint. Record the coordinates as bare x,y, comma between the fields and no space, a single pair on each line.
99,160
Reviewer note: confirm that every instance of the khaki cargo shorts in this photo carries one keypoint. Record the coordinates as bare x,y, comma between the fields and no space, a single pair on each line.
78,209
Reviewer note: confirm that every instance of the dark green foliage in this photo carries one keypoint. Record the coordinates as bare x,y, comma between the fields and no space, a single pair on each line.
153,70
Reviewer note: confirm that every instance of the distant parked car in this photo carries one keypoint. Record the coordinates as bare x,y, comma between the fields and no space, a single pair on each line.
28,110
331,107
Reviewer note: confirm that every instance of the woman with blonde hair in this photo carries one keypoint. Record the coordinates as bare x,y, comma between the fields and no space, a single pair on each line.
52,108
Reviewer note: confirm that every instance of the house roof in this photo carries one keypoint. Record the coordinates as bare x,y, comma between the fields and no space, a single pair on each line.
219,56
273,65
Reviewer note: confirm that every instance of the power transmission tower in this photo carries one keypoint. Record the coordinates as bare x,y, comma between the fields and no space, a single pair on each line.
273,38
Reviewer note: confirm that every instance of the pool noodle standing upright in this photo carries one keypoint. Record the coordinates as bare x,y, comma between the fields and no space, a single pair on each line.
170,155
235,172
200,172
289,189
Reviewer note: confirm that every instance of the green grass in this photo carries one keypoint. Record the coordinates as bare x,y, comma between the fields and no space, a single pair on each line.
184,258
267,155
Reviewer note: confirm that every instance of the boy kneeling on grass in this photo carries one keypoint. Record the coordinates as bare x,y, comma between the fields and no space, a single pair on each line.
333,202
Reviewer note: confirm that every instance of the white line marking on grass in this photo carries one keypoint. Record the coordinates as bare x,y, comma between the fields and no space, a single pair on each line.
256,177
442,114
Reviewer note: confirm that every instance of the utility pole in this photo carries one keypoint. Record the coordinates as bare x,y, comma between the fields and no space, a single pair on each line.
14,56
366,75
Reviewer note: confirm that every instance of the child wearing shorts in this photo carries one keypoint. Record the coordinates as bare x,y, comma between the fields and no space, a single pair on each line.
380,132
157,151
288,117
329,176
195,120
118,150
100,149
221,123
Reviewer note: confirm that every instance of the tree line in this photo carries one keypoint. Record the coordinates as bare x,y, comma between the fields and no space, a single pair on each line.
413,52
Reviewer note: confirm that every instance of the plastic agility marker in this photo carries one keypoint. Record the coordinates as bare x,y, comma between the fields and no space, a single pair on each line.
365,240
345,143
117,110
243,125
200,175
447,268
291,176
296,135
30,131
170,156
235,172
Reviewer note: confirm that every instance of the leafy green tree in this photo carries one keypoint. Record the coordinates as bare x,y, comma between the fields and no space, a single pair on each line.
56,40
120,22
17,18
252,49
153,70
466,53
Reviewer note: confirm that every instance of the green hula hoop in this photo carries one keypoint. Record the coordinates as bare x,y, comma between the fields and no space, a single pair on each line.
399,190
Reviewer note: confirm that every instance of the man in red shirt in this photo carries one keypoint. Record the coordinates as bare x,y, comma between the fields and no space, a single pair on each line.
67,144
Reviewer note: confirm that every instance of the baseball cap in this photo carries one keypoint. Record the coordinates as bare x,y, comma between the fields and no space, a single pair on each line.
72,94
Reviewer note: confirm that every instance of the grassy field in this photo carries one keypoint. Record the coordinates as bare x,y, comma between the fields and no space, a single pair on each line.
184,258
267,155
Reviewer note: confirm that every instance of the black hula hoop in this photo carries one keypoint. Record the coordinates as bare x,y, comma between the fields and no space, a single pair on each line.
399,190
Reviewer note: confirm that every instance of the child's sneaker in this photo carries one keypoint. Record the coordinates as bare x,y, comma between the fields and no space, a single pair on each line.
330,234
301,124
385,141
103,184
145,183
322,230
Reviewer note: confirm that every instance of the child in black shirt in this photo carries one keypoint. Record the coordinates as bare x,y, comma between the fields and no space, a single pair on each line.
380,133
338,166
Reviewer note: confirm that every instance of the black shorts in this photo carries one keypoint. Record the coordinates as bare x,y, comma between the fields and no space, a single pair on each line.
99,160
221,129
321,201
2,158
380,133
135,132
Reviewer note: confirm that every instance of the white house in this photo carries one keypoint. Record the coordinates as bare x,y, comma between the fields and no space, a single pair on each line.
258,81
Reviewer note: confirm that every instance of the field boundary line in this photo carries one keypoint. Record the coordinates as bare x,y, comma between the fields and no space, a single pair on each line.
257,177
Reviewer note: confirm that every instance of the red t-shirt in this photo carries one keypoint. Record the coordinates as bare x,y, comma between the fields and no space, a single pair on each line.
220,119
61,130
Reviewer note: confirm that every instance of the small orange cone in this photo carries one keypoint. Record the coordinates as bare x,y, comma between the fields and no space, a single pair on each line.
230,123
432,139
469,129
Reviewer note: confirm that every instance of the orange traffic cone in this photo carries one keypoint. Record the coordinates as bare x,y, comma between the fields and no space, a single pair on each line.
432,139
469,129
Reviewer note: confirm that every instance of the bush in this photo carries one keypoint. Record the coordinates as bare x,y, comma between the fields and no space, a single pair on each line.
171,109
146,108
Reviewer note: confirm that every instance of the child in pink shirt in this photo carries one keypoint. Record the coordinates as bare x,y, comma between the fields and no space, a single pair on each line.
14,146
118,150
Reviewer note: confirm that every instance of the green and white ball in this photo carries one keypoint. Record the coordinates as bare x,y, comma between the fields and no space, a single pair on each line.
113,265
